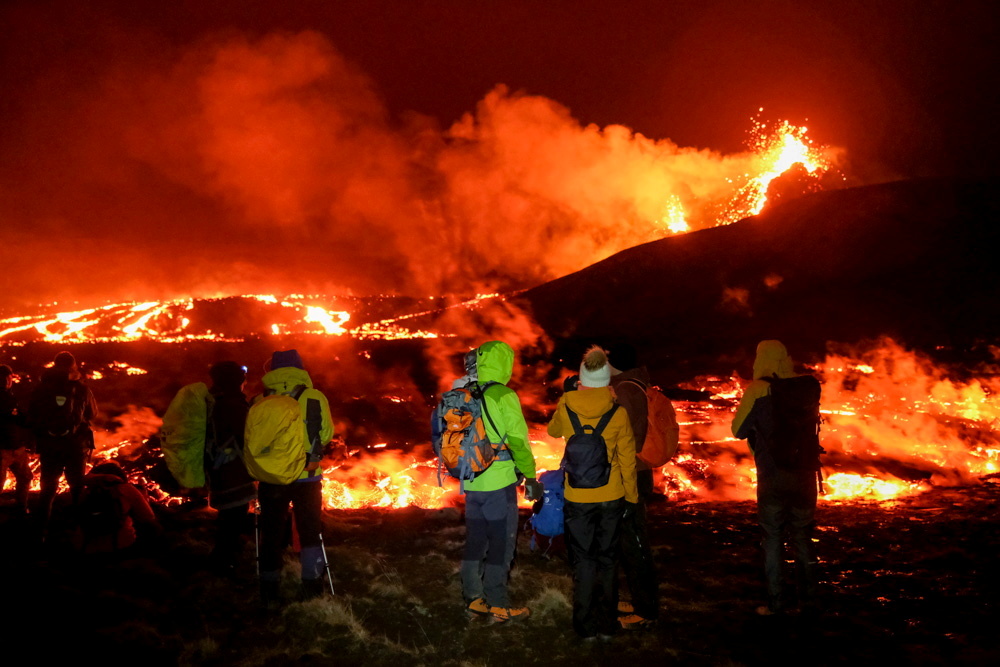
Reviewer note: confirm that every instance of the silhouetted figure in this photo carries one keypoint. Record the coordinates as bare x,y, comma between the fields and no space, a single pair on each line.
779,415
231,489
13,436
629,382
60,412
112,515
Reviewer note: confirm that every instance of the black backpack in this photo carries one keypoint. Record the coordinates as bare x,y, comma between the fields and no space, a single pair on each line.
101,513
586,458
793,440
60,409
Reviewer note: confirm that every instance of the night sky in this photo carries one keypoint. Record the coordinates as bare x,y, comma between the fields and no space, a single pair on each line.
158,148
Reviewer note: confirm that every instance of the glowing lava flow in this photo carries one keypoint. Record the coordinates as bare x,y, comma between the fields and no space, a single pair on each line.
778,151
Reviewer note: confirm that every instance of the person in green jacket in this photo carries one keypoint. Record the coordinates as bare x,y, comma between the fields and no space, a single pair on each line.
491,498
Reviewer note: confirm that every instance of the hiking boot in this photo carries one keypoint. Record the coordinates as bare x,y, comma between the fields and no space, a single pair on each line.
635,622
504,614
625,608
478,607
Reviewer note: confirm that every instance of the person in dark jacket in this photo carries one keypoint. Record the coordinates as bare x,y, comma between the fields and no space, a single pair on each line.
60,412
231,489
113,514
13,449
786,497
629,386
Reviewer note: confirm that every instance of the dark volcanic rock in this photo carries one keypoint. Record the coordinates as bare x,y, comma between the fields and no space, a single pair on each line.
915,260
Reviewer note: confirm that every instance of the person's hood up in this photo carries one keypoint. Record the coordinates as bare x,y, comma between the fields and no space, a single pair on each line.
772,359
285,379
590,403
494,362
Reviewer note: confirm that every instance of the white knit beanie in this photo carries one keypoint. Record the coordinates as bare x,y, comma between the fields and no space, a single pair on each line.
595,371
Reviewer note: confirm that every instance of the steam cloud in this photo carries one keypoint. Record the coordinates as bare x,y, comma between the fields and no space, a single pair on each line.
272,165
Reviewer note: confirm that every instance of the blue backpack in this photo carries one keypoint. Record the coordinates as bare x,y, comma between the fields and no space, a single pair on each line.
548,519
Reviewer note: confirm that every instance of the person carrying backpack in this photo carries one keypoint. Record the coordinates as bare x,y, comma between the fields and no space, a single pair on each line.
113,515
600,487
60,411
491,498
304,491
630,386
779,416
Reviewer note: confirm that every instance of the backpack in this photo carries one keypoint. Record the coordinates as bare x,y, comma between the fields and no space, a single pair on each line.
101,513
663,432
793,416
60,409
458,433
547,517
183,434
277,444
586,457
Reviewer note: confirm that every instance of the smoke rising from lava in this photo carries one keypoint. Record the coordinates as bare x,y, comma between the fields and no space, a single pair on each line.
243,164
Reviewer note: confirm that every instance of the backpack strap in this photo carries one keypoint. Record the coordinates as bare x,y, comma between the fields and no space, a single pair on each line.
574,419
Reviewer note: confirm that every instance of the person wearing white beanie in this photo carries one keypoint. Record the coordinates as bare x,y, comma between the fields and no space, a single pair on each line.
593,513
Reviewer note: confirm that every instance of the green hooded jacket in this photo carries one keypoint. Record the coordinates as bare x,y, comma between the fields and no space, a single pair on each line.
495,363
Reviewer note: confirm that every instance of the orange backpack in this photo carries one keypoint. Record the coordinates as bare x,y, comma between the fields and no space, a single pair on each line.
663,432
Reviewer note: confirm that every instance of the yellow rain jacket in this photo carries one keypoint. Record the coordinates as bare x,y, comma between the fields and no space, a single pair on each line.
772,359
283,381
183,434
591,405
495,363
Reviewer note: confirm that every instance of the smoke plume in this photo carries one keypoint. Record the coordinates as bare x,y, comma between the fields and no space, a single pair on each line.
270,164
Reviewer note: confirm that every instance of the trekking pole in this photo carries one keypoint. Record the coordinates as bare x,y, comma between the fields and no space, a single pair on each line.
256,535
326,563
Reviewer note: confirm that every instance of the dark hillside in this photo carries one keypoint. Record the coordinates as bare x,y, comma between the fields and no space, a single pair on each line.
915,260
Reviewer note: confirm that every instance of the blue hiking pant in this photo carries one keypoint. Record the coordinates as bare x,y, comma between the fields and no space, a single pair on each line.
490,539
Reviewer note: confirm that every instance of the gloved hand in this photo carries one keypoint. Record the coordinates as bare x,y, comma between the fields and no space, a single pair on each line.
629,509
533,489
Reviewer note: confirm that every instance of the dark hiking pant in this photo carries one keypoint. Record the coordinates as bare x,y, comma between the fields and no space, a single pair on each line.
230,526
58,456
636,554
490,540
786,503
16,460
592,536
306,499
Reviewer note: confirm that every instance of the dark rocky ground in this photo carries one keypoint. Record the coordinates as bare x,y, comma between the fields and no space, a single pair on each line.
912,582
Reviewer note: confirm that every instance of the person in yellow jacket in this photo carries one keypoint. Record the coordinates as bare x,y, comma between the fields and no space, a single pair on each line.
786,496
304,494
593,515
491,498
